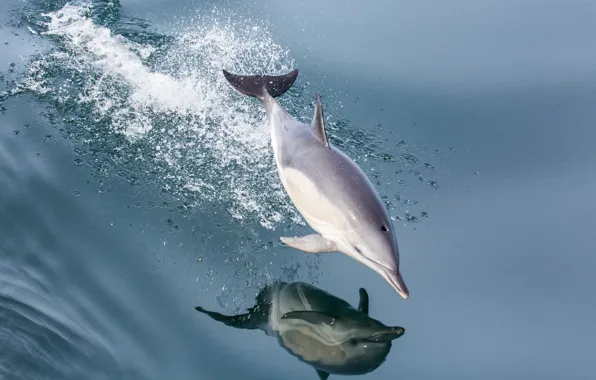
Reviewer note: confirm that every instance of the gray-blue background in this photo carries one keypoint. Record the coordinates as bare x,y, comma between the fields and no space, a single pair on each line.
99,281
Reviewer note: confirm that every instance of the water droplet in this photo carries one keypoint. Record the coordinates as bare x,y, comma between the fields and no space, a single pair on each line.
76,193
411,218
410,158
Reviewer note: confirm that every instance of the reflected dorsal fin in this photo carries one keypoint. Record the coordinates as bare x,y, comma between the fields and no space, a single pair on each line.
318,124
322,374
363,305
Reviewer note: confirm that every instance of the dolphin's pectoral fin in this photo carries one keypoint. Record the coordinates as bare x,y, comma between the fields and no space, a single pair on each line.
318,124
247,321
322,374
363,304
313,243
313,317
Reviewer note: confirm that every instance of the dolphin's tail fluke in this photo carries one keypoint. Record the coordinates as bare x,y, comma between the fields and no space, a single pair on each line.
249,321
261,85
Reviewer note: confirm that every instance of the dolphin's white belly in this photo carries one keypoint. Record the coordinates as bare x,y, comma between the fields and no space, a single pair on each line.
316,344
307,344
321,213
325,215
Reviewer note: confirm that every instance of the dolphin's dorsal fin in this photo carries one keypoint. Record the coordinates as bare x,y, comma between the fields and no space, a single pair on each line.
322,374
318,124
313,317
363,305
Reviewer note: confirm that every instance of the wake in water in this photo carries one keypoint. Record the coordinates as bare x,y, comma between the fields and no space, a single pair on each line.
42,337
159,108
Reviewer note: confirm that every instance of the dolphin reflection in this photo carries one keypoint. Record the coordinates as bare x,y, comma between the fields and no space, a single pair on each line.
318,328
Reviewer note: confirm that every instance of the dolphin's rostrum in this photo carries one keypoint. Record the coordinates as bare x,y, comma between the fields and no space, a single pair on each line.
329,190
318,328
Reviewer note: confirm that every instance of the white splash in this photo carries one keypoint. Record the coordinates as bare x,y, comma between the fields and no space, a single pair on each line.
221,148
118,57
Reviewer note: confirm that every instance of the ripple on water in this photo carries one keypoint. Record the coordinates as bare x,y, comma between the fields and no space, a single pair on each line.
38,340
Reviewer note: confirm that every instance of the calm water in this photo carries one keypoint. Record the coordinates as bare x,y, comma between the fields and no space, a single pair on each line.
136,184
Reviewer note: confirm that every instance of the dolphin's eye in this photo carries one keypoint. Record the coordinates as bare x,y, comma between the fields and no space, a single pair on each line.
353,341
383,228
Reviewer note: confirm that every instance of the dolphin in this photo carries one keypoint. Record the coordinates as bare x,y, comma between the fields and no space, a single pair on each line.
329,190
318,328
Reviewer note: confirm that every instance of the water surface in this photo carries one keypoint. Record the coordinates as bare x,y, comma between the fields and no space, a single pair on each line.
136,184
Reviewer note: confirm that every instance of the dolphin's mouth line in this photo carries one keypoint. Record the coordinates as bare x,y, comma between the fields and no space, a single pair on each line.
380,338
386,268
386,337
391,275
338,236
381,266
377,265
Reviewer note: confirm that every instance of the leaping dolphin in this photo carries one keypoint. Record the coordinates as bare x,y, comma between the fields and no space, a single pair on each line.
318,328
329,190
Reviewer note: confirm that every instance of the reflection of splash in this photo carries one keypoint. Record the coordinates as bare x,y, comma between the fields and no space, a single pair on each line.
158,109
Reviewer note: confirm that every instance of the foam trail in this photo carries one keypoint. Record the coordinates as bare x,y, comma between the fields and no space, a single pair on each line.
190,132
116,56
226,139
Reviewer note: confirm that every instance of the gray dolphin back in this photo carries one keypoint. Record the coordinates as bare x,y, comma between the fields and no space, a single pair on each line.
259,86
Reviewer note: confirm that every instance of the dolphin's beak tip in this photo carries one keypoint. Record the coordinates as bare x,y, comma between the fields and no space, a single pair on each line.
400,287
403,289
404,292
392,333
396,281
